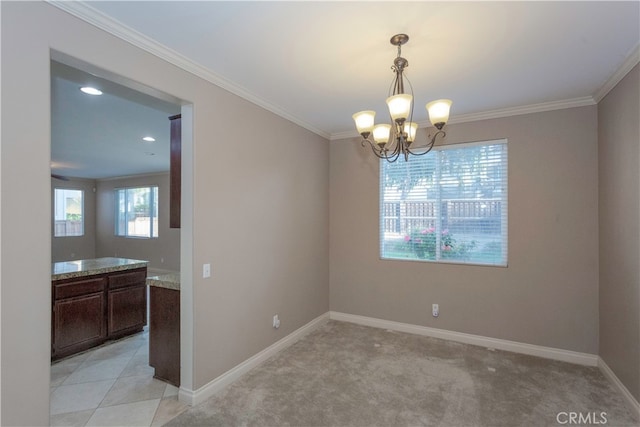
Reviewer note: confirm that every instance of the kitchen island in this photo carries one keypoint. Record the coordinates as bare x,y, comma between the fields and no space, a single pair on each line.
164,326
95,300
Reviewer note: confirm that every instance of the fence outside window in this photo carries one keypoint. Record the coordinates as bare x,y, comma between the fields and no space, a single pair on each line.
401,217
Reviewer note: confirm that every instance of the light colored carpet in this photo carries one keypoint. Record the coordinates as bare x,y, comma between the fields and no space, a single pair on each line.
344,374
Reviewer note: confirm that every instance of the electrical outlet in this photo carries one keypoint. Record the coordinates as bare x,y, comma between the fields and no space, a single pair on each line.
276,321
435,310
206,270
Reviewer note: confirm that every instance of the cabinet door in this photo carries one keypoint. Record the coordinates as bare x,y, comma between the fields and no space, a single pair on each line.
127,310
79,323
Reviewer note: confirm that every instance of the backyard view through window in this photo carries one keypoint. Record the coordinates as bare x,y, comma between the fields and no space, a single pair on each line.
449,205
68,212
137,212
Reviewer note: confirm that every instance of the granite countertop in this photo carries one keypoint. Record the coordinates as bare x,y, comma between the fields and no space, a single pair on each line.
89,267
167,281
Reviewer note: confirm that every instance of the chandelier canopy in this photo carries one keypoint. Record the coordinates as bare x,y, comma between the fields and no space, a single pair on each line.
392,140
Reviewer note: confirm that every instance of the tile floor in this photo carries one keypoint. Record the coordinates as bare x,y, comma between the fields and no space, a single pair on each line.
111,385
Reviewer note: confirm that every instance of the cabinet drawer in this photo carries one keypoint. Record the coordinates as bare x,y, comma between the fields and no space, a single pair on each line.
78,288
120,280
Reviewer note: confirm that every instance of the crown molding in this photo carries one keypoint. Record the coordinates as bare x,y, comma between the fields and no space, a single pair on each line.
89,14
82,10
525,109
632,60
344,135
495,114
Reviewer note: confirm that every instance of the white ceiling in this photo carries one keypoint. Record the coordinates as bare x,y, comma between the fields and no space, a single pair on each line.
316,63
101,136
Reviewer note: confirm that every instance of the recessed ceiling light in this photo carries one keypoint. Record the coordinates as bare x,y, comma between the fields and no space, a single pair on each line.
91,90
149,139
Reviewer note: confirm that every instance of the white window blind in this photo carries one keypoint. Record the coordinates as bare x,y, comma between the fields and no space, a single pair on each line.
449,205
136,212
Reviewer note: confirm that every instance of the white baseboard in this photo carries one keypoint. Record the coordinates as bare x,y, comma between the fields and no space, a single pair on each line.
192,398
513,346
631,401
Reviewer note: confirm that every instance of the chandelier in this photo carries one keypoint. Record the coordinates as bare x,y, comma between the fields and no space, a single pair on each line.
392,140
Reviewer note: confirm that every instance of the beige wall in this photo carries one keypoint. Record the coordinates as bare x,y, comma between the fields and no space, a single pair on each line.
76,247
260,210
547,296
263,221
163,252
619,199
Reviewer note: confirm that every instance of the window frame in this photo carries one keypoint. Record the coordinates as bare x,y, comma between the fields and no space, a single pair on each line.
153,201
504,215
55,208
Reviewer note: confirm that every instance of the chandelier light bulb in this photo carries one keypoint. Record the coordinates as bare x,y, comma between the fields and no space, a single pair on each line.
400,106
439,112
411,128
381,133
364,121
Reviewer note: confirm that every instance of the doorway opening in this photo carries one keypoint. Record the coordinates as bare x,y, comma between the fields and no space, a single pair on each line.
107,146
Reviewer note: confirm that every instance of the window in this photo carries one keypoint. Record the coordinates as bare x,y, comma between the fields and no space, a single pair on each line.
68,217
449,205
137,212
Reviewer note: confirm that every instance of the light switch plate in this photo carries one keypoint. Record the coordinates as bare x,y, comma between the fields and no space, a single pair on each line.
206,270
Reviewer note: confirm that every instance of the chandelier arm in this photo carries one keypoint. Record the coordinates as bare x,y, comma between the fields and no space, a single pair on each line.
383,153
397,148
422,153
410,118
429,145
380,153
433,140
393,157
393,82
375,149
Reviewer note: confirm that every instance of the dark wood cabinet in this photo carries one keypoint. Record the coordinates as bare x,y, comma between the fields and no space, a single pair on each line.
164,334
89,310
78,321
175,170
127,303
